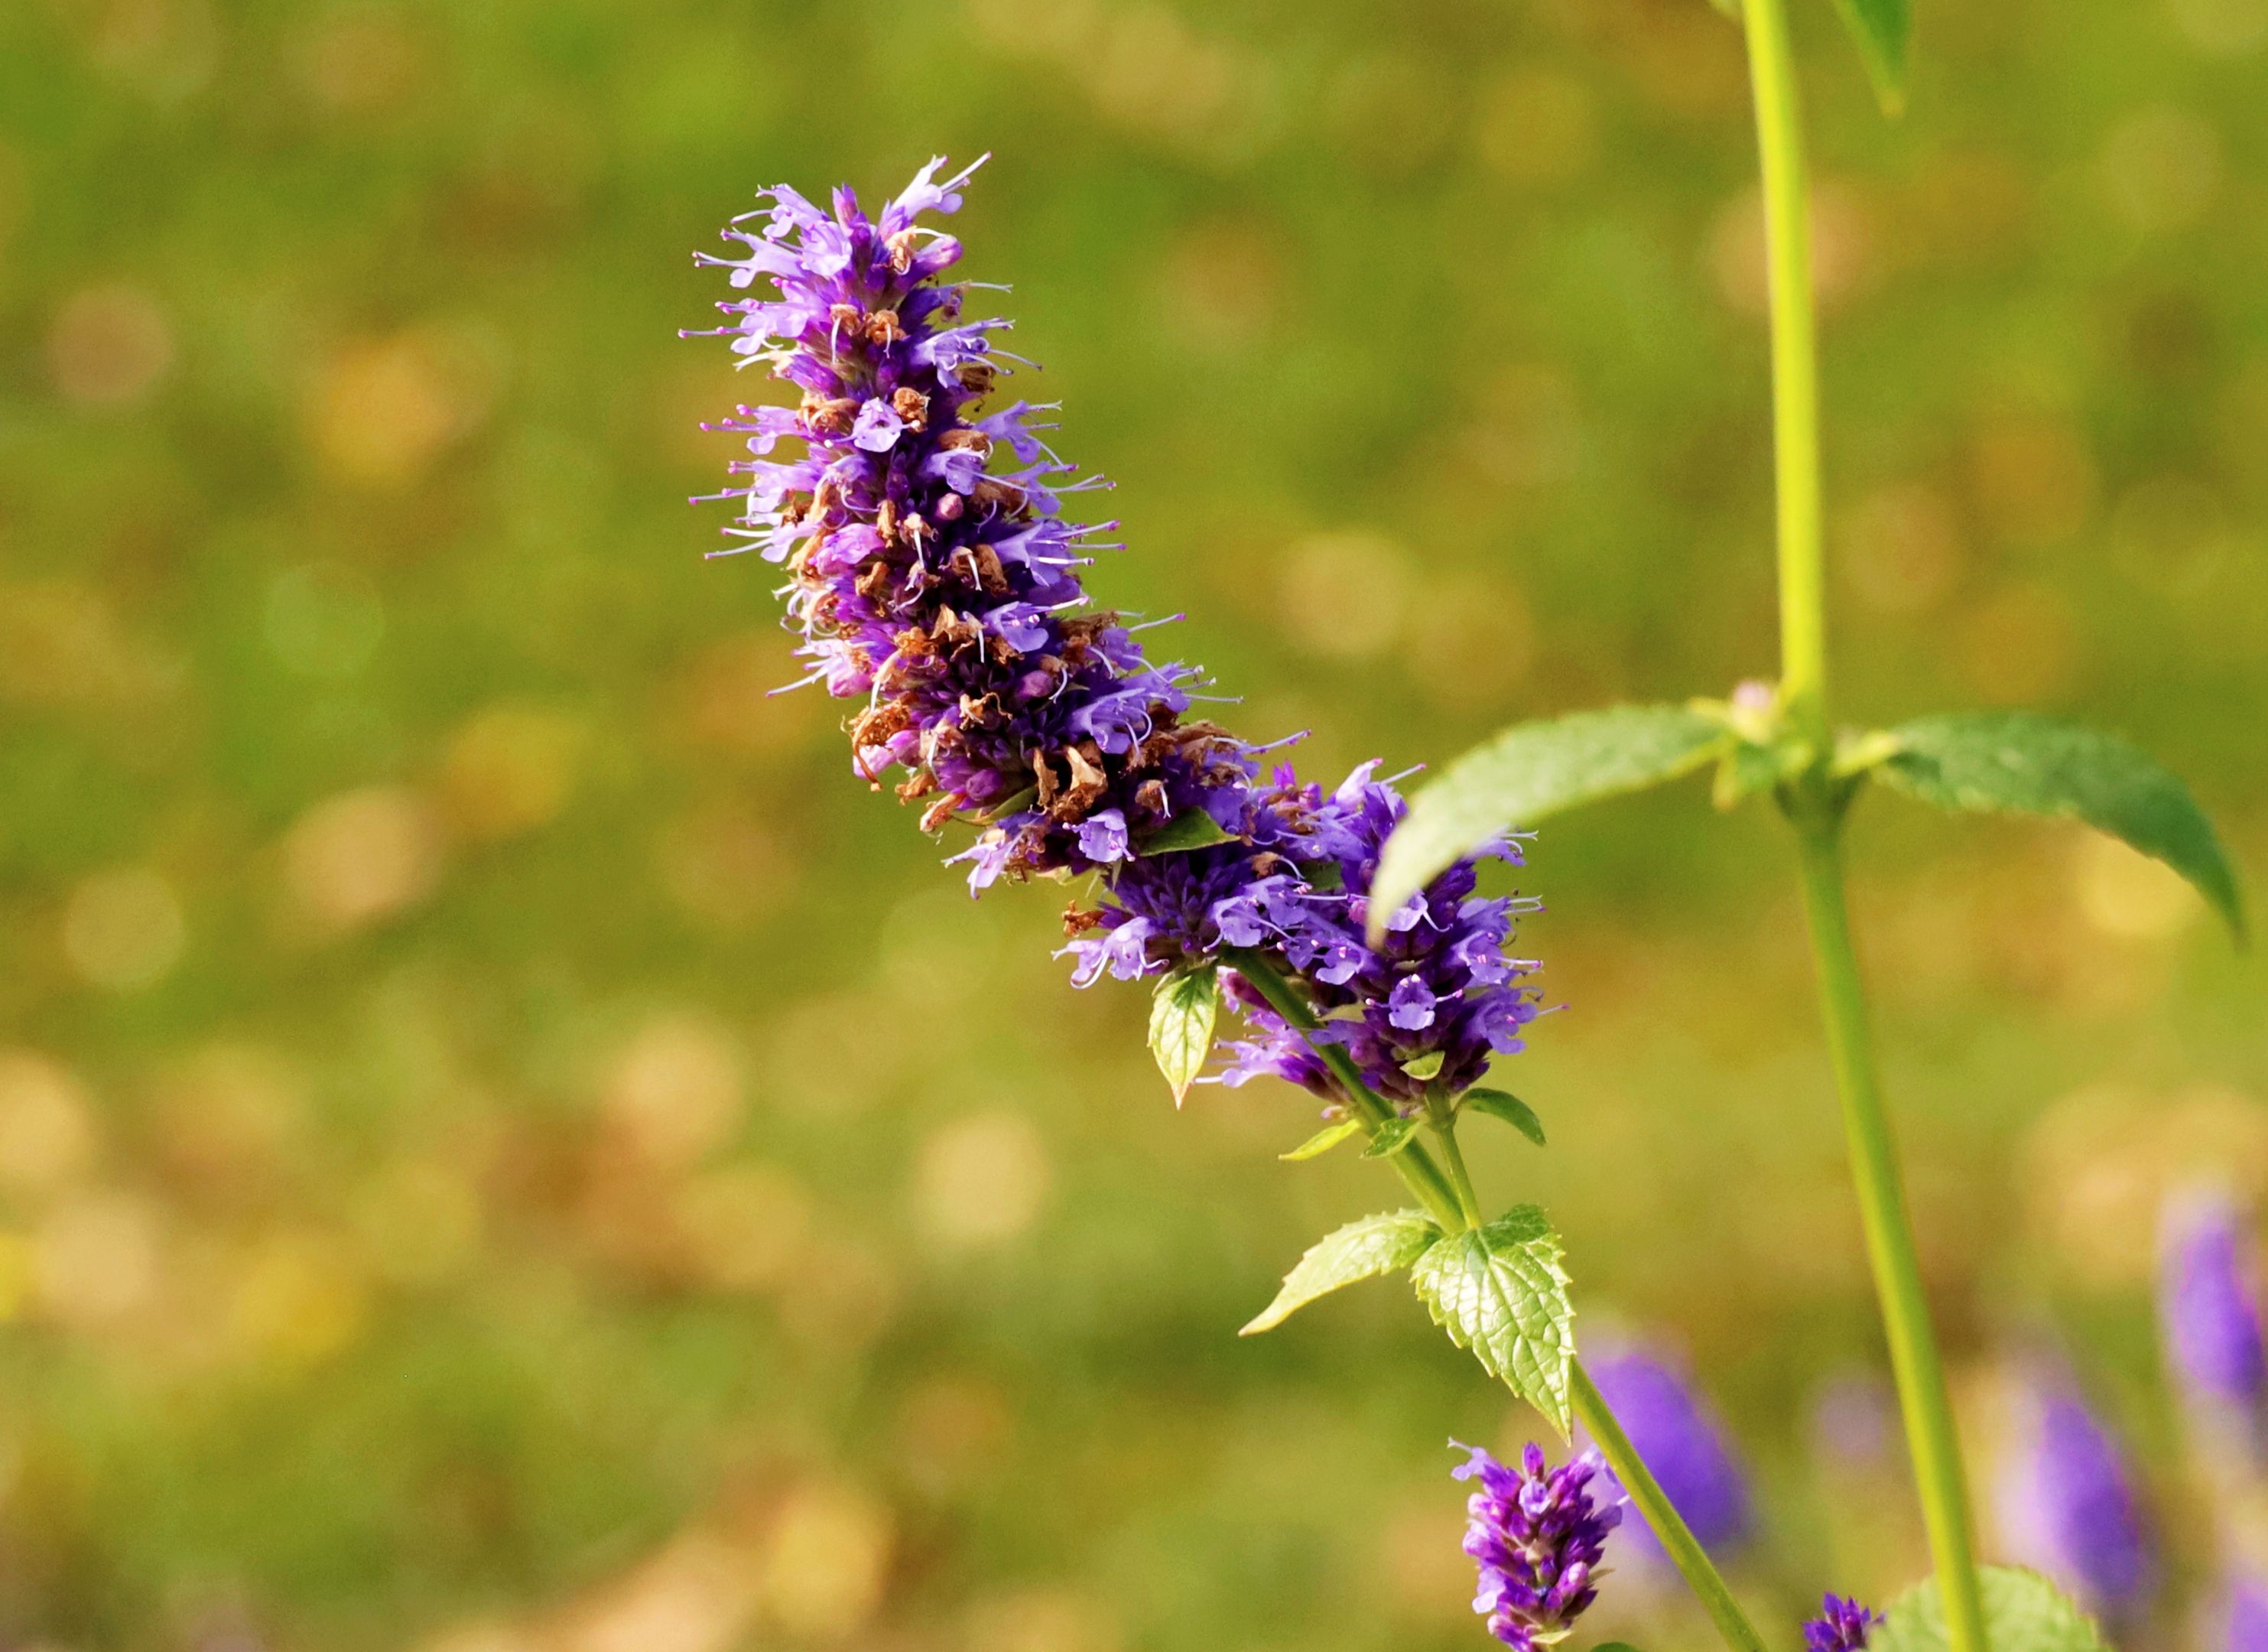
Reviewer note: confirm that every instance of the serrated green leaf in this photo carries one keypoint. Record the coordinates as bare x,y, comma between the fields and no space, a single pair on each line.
1360,1250
1999,761
1191,829
1324,1141
1532,772
1180,1025
1390,1138
1499,1290
1881,30
2023,1612
1505,1105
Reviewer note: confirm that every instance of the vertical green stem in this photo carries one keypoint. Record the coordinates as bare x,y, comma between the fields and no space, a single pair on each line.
1927,1411
1457,1206
1795,370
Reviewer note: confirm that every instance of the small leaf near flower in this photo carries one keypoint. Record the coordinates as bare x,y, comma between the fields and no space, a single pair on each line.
1180,1025
1324,1141
1882,29
2023,1612
2002,762
1425,1066
1191,829
1360,1250
1390,1138
1531,771
1499,1290
1505,1105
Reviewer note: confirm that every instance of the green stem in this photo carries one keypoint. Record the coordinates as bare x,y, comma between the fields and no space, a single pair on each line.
1456,1207
1926,1407
1461,1179
1591,1409
1796,370
1922,1397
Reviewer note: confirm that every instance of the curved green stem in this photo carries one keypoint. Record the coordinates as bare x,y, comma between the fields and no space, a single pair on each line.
1455,1204
1591,1409
1813,807
1928,1409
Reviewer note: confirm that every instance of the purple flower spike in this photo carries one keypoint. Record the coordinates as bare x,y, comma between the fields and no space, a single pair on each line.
1842,1626
2244,1618
2068,1506
1682,1441
1536,1534
2209,1305
935,584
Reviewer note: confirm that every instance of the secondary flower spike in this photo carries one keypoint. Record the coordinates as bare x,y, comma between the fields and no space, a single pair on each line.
937,586
1537,1535
2209,1309
2068,1505
1681,1441
1842,1626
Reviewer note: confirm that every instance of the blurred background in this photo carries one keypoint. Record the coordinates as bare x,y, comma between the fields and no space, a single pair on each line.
505,1146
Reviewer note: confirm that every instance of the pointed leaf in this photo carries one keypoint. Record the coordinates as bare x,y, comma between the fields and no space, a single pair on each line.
1996,762
1374,1245
1531,771
1882,29
1505,1105
1180,1025
1191,829
1499,1290
1390,1138
2023,1612
1324,1141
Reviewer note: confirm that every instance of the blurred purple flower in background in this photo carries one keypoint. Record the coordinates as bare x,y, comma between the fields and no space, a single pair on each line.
2209,1310
1680,1439
2068,1505
1536,1534
2243,1625
1842,1626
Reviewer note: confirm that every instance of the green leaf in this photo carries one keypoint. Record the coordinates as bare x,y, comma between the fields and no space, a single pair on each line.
1881,28
1427,1067
1994,762
1360,1250
1390,1138
2023,1612
1505,1105
1191,829
1324,1141
1529,772
1180,1025
1499,1290
1613,1646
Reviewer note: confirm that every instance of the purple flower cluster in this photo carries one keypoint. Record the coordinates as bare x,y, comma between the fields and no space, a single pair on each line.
1680,1439
2211,1310
933,580
2070,1507
1536,1534
1842,1626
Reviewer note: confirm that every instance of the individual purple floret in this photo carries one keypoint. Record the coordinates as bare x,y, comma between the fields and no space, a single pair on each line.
2209,1307
1682,1441
1842,1626
1536,1534
2068,1506
935,583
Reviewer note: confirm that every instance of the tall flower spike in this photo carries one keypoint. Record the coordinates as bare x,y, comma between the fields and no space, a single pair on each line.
1842,1626
2068,1505
935,585
1680,1440
1537,1535
2209,1307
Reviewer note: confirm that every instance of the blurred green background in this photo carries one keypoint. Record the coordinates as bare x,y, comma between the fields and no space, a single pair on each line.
505,1146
